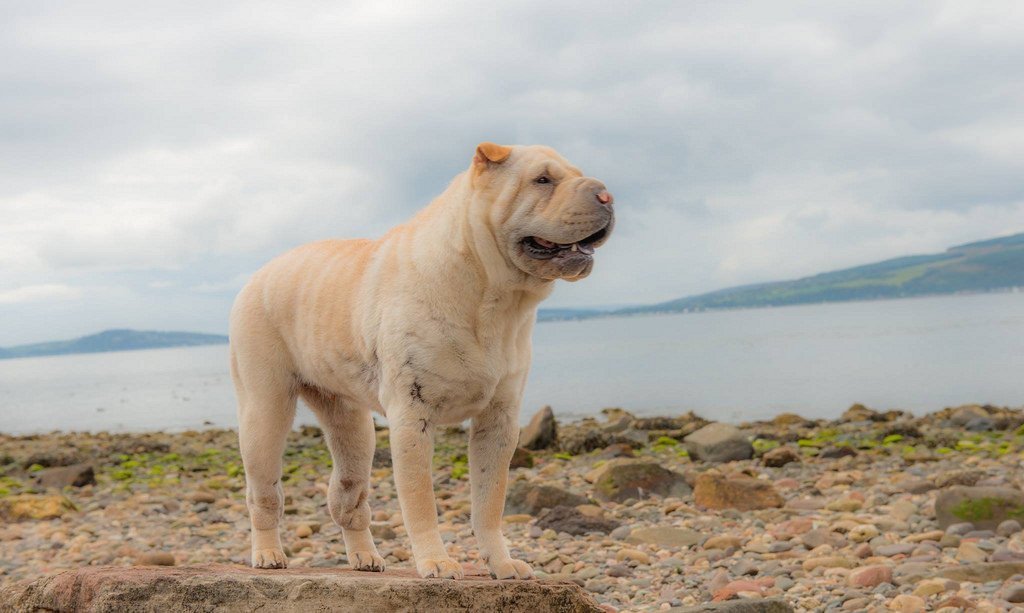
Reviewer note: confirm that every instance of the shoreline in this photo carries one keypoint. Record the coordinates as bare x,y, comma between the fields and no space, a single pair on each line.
843,514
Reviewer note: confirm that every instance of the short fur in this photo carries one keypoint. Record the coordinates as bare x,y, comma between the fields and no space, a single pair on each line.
429,325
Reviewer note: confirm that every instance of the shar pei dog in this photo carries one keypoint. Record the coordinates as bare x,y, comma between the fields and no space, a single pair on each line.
428,325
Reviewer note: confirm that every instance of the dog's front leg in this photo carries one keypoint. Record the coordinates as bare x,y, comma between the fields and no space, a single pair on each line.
412,454
492,441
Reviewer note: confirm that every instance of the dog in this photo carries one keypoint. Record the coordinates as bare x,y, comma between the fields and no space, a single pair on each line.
429,325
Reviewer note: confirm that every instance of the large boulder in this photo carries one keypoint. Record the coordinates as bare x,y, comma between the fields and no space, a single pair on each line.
985,507
621,479
718,442
231,589
715,491
541,432
531,499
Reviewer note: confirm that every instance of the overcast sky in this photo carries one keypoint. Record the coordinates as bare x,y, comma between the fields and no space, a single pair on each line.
152,158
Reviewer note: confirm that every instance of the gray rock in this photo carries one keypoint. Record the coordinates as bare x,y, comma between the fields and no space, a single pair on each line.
541,432
571,521
960,528
531,498
236,589
1008,528
718,442
985,507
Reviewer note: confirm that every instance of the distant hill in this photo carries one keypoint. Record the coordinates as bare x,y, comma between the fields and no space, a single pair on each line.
990,265
113,340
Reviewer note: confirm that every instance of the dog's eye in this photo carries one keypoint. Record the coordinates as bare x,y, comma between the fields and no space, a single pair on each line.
542,179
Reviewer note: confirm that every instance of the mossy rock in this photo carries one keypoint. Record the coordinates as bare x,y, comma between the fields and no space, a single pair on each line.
985,507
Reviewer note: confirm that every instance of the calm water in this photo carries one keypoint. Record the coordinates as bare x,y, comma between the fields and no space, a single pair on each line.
920,355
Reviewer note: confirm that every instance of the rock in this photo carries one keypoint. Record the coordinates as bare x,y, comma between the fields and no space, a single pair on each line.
834,452
962,416
859,412
541,432
766,605
530,498
583,438
718,442
960,528
203,498
714,491
234,588
983,572
34,507
572,521
930,587
784,420
870,576
985,507
862,533
722,541
970,552
1014,593
958,477
1008,528
907,603
620,480
780,456
521,458
303,531
76,475
155,558
664,537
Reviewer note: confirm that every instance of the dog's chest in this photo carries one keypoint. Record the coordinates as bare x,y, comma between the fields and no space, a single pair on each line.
453,375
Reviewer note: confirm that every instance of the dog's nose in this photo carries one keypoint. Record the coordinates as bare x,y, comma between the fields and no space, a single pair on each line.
604,197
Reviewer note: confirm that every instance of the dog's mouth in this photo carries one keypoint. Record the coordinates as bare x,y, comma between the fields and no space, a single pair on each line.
542,249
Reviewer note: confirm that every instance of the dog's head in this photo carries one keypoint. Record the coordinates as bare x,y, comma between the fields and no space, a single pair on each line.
546,215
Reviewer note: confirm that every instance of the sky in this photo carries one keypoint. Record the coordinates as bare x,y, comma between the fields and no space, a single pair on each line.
153,155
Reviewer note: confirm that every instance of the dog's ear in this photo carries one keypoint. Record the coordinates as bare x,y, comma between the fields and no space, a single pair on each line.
489,153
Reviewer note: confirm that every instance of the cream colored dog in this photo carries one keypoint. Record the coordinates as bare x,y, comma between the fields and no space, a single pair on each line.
429,325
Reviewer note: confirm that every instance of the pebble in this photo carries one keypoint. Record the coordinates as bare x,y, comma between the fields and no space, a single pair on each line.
1008,528
870,576
907,603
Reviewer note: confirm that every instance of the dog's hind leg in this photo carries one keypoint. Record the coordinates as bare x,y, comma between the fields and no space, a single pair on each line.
266,409
350,437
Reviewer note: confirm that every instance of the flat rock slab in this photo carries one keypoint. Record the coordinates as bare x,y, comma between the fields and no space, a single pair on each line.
218,587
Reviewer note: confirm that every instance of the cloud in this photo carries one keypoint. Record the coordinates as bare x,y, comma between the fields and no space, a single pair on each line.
167,150
47,292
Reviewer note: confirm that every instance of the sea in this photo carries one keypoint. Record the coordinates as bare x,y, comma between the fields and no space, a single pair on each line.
918,355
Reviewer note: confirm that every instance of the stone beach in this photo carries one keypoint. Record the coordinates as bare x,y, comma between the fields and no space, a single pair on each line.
874,511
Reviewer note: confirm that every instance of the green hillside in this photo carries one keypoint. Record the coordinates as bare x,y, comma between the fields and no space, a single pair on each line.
113,340
991,265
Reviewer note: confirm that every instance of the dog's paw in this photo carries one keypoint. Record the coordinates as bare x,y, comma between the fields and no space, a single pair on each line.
269,558
366,560
443,568
511,569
